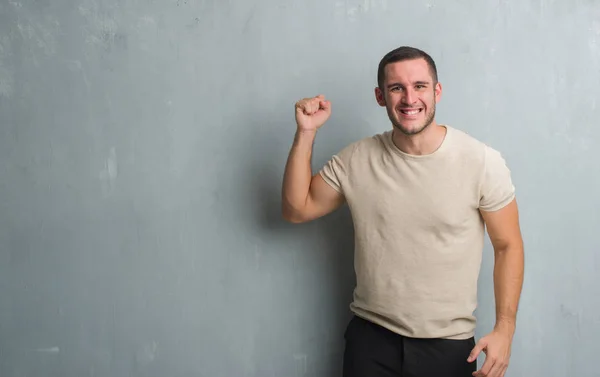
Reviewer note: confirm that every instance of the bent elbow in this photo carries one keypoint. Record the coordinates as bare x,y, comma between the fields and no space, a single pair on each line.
293,216
293,219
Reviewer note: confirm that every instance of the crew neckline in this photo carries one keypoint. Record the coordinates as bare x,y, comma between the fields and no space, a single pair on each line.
443,146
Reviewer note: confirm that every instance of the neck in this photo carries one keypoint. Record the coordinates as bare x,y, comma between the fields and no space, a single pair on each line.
423,143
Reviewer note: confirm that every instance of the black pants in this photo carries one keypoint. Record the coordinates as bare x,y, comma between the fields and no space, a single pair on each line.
374,351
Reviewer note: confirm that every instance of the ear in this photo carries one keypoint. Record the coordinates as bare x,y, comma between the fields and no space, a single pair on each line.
379,97
438,92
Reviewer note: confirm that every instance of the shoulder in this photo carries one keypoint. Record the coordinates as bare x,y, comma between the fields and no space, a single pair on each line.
464,143
472,150
373,145
493,176
488,167
361,147
341,166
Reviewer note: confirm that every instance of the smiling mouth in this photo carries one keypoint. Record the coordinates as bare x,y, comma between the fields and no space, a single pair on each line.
410,111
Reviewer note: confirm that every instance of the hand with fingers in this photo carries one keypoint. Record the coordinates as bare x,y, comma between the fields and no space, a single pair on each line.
496,347
312,113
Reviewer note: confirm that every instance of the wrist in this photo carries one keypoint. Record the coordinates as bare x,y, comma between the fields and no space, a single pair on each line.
305,135
505,326
303,132
304,140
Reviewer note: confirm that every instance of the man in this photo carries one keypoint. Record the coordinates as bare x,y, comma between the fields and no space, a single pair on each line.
420,196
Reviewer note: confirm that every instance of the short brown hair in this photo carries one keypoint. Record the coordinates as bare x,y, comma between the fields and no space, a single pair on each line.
405,53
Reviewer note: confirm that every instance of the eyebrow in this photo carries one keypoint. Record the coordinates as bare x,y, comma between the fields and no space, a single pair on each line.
415,83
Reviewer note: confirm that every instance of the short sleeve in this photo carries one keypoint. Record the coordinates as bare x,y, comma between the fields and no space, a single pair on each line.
336,171
497,189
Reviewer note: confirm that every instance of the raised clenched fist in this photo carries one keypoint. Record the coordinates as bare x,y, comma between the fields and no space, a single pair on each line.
312,113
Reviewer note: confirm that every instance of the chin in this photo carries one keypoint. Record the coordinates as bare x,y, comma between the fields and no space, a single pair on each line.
411,130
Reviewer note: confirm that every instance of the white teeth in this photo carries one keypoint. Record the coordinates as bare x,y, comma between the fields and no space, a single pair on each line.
412,112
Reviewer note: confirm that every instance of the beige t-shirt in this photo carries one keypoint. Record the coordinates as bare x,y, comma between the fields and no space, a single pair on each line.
418,231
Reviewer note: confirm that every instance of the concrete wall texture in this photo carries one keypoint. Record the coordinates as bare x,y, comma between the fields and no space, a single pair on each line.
142,146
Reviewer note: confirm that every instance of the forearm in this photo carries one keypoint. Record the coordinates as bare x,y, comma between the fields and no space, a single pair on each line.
508,282
298,172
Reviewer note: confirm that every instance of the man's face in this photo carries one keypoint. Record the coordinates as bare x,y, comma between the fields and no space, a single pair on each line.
409,95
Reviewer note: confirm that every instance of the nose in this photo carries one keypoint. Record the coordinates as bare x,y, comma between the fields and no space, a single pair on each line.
409,96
